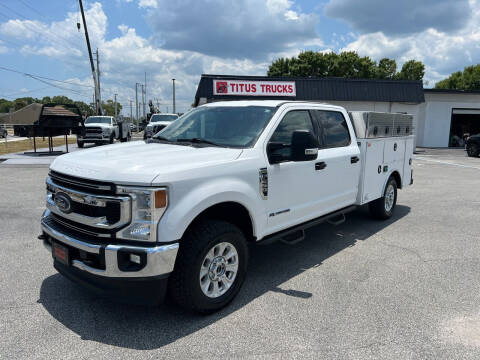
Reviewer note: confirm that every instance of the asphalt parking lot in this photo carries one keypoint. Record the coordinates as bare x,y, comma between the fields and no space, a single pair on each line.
407,288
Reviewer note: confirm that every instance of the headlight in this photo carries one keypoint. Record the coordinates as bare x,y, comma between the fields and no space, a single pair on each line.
148,206
106,131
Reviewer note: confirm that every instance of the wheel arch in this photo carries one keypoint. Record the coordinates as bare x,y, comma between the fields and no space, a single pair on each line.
395,174
229,211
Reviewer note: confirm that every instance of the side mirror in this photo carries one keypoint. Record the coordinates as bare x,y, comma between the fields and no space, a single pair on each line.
304,146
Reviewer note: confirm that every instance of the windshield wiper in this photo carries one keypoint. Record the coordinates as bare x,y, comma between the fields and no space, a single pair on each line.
200,141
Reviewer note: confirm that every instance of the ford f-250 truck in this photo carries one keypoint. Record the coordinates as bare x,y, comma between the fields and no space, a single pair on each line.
175,213
103,130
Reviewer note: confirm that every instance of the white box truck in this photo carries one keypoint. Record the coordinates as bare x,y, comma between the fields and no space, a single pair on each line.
175,213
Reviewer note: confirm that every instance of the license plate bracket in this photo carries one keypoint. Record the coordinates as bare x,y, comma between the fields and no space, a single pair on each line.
60,253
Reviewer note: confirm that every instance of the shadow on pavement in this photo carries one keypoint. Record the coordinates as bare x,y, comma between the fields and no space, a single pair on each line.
145,328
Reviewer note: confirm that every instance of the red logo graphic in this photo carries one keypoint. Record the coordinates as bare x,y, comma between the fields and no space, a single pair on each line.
222,87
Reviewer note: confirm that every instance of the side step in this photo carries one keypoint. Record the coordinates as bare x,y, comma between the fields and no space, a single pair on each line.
340,219
293,238
297,233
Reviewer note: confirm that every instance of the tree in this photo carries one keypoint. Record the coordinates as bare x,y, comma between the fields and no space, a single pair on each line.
412,70
468,79
5,105
386,69
346,64
109,108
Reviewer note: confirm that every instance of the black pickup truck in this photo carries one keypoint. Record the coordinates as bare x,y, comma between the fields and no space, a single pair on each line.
473,145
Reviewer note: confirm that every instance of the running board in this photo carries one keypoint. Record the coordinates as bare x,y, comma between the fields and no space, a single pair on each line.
292,235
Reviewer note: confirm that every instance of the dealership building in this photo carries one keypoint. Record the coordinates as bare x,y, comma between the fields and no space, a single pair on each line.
441,117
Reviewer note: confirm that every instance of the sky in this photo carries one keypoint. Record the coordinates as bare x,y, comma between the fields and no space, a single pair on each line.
182,39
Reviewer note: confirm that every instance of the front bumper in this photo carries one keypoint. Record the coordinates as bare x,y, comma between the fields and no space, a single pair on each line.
104,269
94,140
157,260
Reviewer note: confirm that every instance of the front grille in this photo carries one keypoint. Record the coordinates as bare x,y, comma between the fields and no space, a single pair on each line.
76,183
94,210
93,130
111,211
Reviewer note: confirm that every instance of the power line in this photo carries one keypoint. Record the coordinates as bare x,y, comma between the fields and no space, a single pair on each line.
43,77
25,92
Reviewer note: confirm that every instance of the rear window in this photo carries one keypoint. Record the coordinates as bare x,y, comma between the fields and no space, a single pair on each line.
334,128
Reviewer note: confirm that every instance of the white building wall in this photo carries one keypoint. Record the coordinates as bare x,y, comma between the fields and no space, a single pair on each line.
435,116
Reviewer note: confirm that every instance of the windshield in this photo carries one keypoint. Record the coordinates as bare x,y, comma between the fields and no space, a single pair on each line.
98,120
158,117
229,126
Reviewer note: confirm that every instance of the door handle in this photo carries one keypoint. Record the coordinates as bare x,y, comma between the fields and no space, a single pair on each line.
354,159
320,165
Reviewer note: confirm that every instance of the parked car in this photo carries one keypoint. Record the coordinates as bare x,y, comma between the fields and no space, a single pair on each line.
157,123
176,213
3,132
473,145
103,130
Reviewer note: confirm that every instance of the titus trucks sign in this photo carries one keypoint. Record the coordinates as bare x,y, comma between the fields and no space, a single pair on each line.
254,88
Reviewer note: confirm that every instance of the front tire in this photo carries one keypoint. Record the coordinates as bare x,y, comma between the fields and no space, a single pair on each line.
383,207
211,266
112,139
473,150
80,144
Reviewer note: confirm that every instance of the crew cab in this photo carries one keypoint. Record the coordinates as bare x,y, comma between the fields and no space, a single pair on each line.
103,130
175,213
158,122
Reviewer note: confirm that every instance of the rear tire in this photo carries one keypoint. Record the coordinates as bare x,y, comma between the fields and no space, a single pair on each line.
473,150
383,207
210,268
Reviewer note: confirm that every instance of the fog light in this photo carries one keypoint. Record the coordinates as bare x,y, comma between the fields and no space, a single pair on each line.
135,259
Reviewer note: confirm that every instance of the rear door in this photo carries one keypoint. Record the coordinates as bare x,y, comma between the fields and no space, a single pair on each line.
340,177
294,190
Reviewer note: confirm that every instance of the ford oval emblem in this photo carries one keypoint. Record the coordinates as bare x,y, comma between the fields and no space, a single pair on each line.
63,202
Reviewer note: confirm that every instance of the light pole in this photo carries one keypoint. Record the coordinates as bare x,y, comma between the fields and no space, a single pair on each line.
115,105
173,88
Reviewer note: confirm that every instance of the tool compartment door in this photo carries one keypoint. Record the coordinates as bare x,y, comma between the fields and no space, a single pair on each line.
407,167
372,179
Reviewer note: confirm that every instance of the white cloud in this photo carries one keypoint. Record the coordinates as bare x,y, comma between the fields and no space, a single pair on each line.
441,52
401,16
234,29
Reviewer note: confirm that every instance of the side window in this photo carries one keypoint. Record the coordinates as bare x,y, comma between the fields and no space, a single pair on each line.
334,128
293,120
114,122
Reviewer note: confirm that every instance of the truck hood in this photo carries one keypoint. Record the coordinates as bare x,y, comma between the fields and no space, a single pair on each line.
165,123
98,125
139,163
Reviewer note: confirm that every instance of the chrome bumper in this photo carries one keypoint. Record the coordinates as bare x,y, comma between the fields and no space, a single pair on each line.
160,260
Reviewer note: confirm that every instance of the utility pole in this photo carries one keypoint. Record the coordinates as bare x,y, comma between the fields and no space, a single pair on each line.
173,84
98,106
136,102
131,111
115,105
146,99
143,100
98,80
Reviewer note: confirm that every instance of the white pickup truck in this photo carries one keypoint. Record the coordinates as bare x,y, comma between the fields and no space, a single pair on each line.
103,130
158,122
175,213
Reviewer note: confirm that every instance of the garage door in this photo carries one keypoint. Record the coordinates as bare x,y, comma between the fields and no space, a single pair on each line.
464,122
